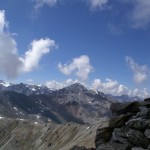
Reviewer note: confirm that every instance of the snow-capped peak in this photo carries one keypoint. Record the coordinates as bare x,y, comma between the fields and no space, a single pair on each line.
6,84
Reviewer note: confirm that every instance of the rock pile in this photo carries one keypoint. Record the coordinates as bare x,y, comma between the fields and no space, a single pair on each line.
128,129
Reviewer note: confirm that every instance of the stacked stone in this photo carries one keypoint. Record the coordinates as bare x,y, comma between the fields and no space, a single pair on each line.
129,127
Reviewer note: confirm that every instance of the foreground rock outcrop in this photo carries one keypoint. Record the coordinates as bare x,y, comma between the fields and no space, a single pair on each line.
128,129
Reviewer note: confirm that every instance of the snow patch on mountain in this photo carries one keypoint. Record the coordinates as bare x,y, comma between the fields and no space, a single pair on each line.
4,83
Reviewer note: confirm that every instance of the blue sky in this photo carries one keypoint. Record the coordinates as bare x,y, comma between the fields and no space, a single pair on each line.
102,43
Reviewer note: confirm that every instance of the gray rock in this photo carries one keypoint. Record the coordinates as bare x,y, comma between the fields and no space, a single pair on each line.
137,138
143,112
146,104
124,108
113,146
103,135
147,100
138,148
148,115
119,121
118,137
138,123
147,133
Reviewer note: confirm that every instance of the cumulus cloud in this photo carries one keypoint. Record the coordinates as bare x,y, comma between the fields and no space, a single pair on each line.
141,73
109,86
140,93
80,66
98,4
41,3
9,60
11,64
115,88
38,48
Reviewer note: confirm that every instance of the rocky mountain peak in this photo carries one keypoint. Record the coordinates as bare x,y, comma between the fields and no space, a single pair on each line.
77,87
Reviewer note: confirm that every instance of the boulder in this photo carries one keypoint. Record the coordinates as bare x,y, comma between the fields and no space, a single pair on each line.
118,136
124,108
138,124
129,128
146,104
113,146
103,135
147,99
147,133
148,114
143,112
137,138
138,148
119,121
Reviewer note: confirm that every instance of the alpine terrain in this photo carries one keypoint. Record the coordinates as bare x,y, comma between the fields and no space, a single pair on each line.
37,117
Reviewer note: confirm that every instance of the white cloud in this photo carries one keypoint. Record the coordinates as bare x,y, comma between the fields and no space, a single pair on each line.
110,87
11,64
94,4
80,66
139,93
141,73
41,3
141,13
9,60
98,4
38,48
115,88
2,20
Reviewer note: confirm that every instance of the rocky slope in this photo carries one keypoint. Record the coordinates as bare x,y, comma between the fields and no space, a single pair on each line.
128,129
30,135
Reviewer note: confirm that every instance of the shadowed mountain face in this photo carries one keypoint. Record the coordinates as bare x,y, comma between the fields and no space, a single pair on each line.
73,103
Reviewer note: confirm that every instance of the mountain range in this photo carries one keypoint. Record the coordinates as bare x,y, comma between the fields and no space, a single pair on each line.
74,103
72,118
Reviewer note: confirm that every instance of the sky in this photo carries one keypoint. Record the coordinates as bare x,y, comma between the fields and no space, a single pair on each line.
104,44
